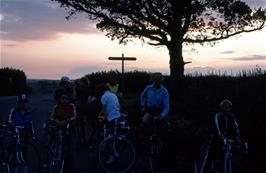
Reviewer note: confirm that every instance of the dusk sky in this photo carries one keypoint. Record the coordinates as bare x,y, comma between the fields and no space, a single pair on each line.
36,37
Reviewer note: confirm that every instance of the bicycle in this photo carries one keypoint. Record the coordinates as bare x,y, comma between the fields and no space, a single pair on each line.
56,157
117,145
24,159
229,166
155,147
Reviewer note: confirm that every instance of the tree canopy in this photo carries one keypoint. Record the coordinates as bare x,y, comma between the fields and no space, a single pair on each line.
170,23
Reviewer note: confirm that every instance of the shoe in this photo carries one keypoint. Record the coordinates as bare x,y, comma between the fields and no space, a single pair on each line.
110,159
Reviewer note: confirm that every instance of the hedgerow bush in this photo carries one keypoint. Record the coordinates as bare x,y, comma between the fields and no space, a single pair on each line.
198,97
13,81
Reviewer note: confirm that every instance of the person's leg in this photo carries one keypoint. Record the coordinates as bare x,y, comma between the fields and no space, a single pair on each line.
144,131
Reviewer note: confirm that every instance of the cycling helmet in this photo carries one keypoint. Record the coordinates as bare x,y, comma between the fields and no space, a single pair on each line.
22,98
65,79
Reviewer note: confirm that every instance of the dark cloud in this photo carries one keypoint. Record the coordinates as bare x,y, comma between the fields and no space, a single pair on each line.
39,20
227,52
10,45
250,58
44,19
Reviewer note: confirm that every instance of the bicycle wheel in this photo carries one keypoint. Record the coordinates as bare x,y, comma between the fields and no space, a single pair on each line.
154,157
227,164
56,164
122,150
4,167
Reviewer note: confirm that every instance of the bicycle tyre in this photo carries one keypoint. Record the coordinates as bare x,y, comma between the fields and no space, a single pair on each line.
54,165
122,144
154,156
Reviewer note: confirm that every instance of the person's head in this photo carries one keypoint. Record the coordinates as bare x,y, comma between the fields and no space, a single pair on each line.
63,99
22,101
84,82
157,79
226,106
113,78
100,89
65,81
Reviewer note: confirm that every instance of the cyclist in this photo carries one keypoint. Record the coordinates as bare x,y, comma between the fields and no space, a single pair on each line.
64,112
21,116
110,105
65,86
110,110
225,127
155,103
81,94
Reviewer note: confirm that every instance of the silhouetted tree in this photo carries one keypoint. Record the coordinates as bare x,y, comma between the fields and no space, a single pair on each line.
169,23
13,81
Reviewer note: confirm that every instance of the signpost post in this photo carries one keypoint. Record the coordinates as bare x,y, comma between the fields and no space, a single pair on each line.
123,59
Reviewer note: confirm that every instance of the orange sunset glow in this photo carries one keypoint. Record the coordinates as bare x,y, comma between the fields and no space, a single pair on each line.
36,38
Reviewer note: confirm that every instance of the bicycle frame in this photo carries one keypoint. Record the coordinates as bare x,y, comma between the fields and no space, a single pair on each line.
58,144
228,155
19,154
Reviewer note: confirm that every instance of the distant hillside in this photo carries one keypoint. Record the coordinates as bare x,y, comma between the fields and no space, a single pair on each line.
42,86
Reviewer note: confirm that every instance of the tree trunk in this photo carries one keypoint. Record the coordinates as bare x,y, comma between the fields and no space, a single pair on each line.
176,68
176,60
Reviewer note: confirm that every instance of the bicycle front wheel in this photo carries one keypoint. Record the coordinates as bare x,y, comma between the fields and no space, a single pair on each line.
56,164
122,152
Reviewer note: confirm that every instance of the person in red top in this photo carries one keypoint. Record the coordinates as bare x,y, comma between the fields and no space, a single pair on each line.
65,112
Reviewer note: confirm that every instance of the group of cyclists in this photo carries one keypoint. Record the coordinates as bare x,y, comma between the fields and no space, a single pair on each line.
74,100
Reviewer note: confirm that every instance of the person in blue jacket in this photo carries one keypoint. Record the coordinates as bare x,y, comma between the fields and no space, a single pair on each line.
20,116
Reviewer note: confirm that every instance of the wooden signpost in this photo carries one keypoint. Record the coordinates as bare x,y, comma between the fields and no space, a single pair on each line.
123,59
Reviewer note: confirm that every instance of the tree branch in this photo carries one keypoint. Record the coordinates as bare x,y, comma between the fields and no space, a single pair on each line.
222,37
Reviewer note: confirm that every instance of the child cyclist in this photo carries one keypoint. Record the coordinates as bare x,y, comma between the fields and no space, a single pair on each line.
110,111
63,113
20,116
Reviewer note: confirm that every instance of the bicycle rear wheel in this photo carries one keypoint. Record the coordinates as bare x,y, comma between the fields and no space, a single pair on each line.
154,157
123,151
56,165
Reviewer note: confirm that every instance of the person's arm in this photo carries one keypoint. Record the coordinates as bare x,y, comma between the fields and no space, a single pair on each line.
103,110
32,131
143,97
166,103
52,118
103,113
74,117
11,117
119,91
237,131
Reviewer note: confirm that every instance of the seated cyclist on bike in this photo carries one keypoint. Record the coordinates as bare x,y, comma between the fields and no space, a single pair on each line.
225,127
21,116
63,113
110,111
155,103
